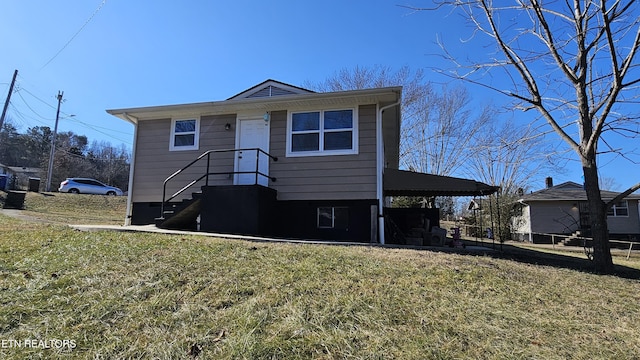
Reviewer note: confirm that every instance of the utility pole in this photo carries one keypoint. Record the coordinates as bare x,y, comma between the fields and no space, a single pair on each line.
6,104
53,144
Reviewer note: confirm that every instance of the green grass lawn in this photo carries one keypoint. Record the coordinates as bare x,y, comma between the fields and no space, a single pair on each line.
130,295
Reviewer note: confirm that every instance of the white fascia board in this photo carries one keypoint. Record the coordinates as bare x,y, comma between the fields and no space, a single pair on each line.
283,102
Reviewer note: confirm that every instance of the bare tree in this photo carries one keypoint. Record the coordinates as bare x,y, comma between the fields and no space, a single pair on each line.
375,77
439,137
608,183
437,128
573,62
510,156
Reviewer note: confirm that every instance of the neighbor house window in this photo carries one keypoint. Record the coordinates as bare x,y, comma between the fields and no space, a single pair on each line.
330,217
184,134
323,132
619,209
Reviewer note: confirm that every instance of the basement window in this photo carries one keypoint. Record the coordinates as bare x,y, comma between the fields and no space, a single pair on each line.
330,217
184,134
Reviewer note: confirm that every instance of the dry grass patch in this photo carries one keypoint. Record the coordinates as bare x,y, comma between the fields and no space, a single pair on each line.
125,295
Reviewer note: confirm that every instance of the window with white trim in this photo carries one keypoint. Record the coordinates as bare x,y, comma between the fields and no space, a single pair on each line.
322,132
184,134
619,209
330,217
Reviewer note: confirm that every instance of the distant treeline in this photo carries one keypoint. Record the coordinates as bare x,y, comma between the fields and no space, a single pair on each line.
74,156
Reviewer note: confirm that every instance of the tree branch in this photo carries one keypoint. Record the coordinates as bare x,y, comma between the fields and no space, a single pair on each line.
619,74
622,195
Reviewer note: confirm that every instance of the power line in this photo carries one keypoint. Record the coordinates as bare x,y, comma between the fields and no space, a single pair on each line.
20,115
58,147
95,127
91,127
22,88
30,108
76,34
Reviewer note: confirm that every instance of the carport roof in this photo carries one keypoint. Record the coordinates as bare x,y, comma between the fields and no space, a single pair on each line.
408,183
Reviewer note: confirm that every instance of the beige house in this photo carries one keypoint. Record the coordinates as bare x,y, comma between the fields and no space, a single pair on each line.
275,160
562,209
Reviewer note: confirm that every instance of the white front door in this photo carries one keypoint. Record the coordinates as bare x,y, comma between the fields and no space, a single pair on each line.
252,133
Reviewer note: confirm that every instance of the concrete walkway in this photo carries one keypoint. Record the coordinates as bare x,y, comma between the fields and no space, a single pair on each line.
154,229
157,230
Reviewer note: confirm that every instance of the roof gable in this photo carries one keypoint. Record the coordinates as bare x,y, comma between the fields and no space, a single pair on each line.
269,88
569,185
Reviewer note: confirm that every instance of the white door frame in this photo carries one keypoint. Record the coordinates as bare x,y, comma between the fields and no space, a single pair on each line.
252,116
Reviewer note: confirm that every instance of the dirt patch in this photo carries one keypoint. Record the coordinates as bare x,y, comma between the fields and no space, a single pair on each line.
25,216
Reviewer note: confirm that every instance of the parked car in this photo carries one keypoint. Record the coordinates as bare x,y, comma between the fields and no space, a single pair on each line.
88,186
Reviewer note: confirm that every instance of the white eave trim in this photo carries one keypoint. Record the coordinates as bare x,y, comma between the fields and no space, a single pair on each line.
283,102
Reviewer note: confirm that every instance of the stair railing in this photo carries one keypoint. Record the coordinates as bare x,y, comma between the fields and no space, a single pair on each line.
207,155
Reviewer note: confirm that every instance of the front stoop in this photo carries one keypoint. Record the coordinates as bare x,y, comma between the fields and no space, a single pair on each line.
239,209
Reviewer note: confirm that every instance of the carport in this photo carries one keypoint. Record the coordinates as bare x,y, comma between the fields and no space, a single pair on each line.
409,183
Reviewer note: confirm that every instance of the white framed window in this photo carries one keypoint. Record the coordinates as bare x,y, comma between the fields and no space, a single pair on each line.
330,217
619,209
184,134
322,132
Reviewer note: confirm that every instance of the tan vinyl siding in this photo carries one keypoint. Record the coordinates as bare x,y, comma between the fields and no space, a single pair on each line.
326,177
334,177
154,162
391,136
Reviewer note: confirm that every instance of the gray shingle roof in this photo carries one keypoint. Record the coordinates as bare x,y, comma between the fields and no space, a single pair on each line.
569,191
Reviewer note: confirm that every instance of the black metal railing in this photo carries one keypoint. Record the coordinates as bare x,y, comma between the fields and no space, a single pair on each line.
206,156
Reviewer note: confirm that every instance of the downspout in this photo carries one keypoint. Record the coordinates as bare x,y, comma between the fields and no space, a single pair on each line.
134,121
380,169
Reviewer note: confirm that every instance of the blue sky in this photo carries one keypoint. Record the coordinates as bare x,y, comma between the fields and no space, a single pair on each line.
152,52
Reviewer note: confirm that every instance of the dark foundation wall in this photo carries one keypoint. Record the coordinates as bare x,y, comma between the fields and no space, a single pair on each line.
254,210
299,219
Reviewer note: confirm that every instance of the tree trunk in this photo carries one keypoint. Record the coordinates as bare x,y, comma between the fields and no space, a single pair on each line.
602,261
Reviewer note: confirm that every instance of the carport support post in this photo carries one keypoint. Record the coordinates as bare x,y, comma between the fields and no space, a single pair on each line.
493,232
499,227
475,225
